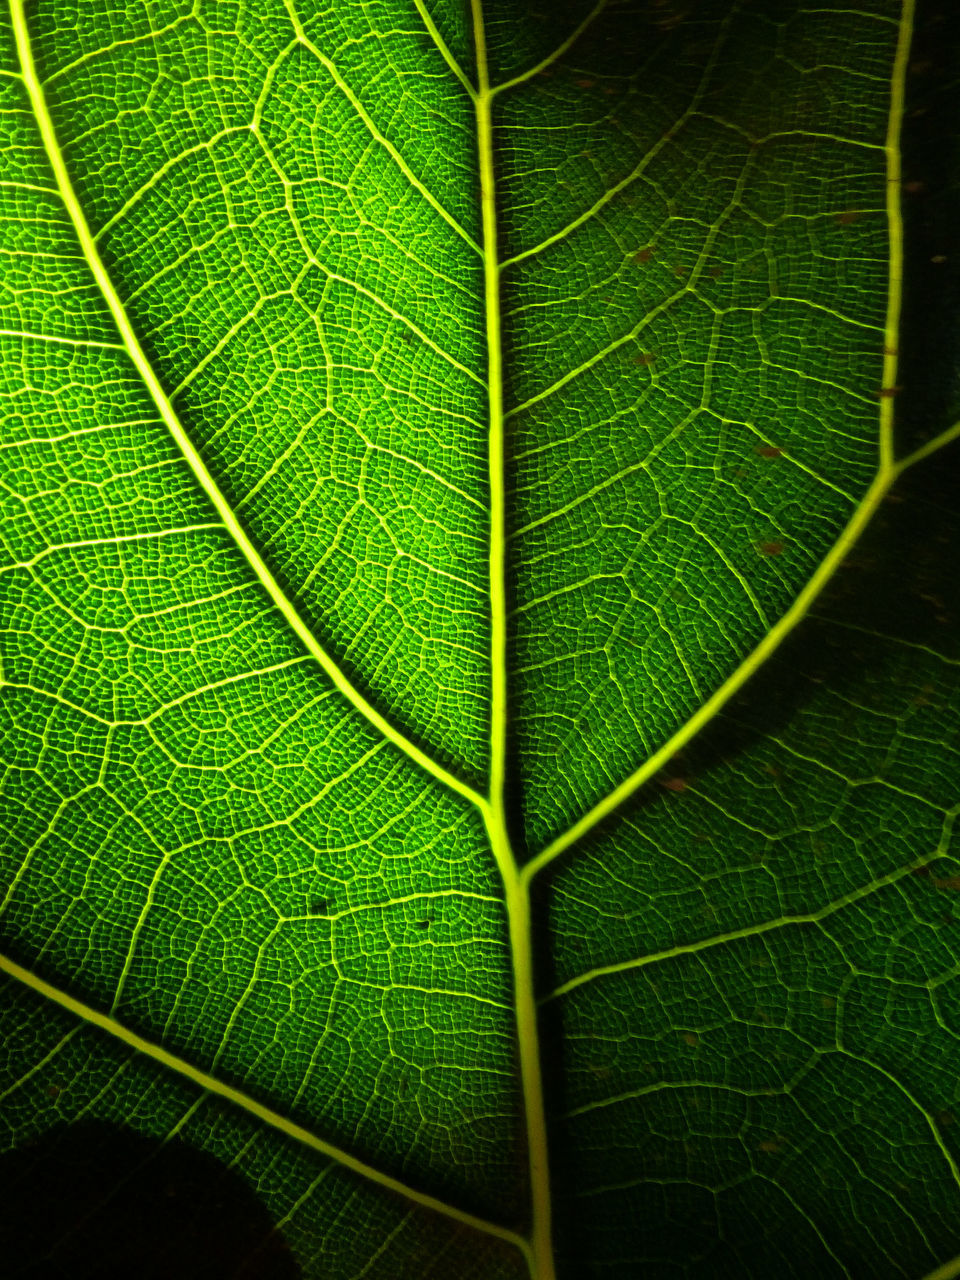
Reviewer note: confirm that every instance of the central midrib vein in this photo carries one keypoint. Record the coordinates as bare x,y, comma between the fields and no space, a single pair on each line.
540,1256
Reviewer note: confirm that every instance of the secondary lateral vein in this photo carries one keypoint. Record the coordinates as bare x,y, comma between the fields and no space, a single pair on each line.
734,682
206,481
443,48
887,472
139,1044
736,935
560,50
645,161
374,132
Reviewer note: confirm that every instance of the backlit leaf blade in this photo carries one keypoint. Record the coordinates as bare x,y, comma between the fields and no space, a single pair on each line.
117,1161
695,297
366,553
779,1047
232,846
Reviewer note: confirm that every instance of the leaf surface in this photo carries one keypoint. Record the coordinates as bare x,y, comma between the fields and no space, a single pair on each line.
450,782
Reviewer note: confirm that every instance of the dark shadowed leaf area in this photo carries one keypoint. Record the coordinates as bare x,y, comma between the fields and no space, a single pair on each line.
93,1202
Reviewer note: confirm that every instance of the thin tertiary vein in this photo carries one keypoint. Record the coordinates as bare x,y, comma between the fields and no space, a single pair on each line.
211,1084
888,470
754,930
443,48
374,132
558,52
172,422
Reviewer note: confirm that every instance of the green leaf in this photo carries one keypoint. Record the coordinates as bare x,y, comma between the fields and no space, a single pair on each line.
467,811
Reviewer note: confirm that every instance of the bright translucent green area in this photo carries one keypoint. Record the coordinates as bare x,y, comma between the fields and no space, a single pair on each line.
323,514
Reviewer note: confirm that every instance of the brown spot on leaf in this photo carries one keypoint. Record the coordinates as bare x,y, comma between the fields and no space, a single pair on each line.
887,393
691,1038
644,255
645,358
772,548
848,217
768,451
772,1145
674,784
584,84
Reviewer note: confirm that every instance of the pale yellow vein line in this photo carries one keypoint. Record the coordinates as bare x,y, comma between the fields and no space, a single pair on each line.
560,50
375,133
669,1086
117,541
29,336
764,650
749,931
932,446
517,901
612,192
613,345
886,636
174,426
28,186
38,1066
817,135
133,945
929,1119
888,472
444,49
45,441
301,1200
895,231
170,1061
172,163
151,36
946,1271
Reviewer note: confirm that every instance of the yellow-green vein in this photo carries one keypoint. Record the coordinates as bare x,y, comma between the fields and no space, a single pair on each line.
443,48
139,1044
374,132
169,417
757,930
540,1257
887,472
560,50
895,233
734,682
